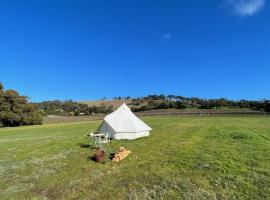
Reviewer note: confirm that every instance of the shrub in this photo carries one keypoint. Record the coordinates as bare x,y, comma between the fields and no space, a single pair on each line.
15,110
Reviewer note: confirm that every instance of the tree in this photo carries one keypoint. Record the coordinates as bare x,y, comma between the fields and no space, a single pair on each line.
180,105
15,110
1,87
267,106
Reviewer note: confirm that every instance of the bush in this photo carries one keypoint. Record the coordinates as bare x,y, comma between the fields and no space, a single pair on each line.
267,106
15,110
180,105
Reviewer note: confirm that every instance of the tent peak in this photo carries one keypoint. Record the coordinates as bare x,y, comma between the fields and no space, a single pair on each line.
124,105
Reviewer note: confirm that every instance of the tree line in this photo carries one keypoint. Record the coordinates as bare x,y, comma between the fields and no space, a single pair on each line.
15,110
152,102
71,108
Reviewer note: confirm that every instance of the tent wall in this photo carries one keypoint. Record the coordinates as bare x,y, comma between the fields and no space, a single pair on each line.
142,134
130,136
105,128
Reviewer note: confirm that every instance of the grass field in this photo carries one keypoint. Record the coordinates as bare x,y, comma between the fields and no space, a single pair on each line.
184,158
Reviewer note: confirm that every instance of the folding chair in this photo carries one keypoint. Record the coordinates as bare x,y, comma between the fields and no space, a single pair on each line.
98,139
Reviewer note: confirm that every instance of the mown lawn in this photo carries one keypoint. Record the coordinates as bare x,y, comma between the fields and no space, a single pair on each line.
184,158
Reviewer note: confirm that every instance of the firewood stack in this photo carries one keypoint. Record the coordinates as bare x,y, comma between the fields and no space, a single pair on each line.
121,154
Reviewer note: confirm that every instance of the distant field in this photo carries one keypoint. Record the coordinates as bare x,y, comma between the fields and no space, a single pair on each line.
184,158
69,119
156,113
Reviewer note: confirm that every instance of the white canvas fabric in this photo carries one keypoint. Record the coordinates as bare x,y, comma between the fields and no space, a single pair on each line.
123,124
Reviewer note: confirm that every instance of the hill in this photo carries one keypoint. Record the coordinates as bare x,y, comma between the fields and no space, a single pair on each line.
115,103
148,103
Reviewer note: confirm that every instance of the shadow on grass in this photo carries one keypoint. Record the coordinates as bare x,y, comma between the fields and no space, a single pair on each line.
93,159
111,156
86,146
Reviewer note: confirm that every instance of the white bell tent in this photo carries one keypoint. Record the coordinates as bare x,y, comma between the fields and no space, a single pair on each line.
123,124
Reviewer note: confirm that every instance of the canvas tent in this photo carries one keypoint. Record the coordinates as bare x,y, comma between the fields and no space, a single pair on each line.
123,124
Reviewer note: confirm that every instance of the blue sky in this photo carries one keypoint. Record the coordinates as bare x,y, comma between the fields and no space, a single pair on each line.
83,50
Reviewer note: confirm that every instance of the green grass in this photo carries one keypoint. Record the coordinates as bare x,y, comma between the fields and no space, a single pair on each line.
184,158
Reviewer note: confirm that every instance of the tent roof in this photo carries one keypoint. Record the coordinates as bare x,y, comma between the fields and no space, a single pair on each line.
123,120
